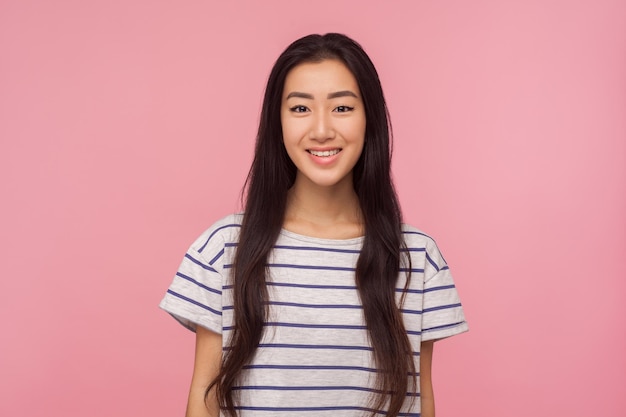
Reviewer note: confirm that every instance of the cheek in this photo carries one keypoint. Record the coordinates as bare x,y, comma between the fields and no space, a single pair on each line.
283,123
290,137
293,130
356,130
287,126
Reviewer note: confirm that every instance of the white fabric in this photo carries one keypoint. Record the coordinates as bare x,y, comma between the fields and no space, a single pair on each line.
315,357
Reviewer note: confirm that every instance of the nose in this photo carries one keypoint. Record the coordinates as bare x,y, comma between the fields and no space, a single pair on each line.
322,128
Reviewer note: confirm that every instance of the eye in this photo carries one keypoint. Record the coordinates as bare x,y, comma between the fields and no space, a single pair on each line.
343,109
299,109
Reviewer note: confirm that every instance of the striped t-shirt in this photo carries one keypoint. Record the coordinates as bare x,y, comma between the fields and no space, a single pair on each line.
314,358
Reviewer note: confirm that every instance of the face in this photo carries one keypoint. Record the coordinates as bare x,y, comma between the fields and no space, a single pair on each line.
323,122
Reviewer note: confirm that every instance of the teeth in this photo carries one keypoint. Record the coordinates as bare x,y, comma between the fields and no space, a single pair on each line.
324,153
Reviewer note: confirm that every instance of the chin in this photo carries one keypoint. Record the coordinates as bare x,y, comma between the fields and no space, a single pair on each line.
325,182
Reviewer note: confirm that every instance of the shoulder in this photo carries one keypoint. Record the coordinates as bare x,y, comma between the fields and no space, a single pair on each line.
223,231
413,236
423,246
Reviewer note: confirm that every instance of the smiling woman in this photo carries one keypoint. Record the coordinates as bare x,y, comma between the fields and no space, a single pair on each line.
323,125
317,298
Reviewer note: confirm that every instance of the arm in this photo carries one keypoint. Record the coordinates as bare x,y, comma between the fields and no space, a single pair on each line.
206,366
426,393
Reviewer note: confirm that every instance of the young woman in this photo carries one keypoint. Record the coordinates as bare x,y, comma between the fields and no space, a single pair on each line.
317,300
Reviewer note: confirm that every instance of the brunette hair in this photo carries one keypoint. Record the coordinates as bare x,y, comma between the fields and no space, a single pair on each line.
271,175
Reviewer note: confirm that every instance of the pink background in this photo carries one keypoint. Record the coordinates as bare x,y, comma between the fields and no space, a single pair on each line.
127,127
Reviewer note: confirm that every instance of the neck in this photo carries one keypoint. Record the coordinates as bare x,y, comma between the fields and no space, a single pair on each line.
326,212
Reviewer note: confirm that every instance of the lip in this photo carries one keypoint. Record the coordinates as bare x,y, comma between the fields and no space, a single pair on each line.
324,160
324,149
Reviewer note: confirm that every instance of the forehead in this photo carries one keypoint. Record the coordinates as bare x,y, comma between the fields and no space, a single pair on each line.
323,77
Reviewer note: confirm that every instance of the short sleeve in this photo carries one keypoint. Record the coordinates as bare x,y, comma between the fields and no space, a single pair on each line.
442,312
195,294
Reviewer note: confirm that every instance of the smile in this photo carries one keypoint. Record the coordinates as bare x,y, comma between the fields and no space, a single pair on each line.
324,153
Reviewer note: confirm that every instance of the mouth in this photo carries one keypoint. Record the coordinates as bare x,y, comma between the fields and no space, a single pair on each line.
324,154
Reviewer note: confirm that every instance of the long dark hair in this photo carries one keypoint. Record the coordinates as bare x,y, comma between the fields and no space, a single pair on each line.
270,177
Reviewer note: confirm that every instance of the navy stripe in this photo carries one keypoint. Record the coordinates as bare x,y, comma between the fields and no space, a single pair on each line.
444,326
321,326
432,262
318,368
315,248
325,268
312,286
316,347
350,306
305,388
220,253
330,408
316,326
312,367
412,270
409,232
213,234
322,249
411,311
345,287
302,346
190,279
189,300
197,262
409,291
412,249
440,288
292,409
316,267
426,310
286,304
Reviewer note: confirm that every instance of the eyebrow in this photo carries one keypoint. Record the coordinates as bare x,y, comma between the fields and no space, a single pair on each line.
337,94
345,93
